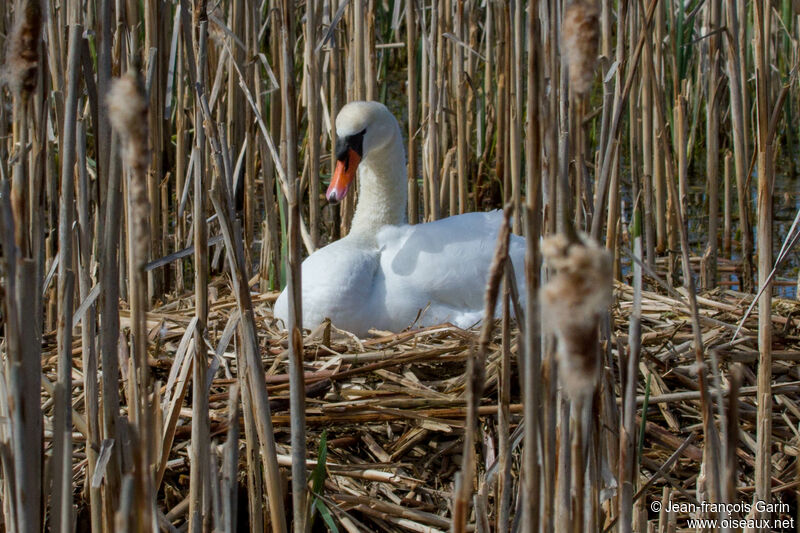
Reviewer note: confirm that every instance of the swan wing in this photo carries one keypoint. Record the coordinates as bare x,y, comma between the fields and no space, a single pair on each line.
442,266
338,283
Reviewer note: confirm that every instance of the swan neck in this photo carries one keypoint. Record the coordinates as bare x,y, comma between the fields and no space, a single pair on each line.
382,194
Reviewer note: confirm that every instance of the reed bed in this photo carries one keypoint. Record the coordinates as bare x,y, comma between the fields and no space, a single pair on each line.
162,164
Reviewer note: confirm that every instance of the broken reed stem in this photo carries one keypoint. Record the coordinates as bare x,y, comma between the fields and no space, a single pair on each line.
732,436
475,376
230,466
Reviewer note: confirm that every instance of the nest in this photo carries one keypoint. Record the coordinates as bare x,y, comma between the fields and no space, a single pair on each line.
391,408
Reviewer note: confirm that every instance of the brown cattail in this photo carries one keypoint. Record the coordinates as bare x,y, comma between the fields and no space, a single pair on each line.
127,111
22,52
573,301
581,41
215,29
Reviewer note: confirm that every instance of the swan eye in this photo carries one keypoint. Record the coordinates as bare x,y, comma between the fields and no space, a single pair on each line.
353,142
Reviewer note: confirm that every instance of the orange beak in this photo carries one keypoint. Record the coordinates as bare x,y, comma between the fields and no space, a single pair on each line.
343,175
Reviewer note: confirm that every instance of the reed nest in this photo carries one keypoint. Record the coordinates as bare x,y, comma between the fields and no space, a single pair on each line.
392,407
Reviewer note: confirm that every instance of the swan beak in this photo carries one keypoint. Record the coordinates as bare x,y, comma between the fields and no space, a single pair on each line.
342,176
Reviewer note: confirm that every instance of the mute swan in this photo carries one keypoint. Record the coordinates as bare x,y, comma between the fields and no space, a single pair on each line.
385,273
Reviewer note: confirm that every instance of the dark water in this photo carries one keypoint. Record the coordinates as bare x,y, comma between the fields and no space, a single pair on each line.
786,204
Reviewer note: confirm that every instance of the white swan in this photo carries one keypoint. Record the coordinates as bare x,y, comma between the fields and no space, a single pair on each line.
385,274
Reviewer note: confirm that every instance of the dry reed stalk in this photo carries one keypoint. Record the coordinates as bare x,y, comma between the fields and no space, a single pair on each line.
370,55
503,423
503,108
253,21
763,22
293,272
199,511
563,496
312,70
109,333
231,463
739,118
657,78
154,67
515,116
727,209
181,152
732,436
475,376
711,59
413,99
461,109
532,360
127,112
634,117
431,147
606,63
62,506
484,134
88,330
628,471
647,87
359,46
613,100
550,167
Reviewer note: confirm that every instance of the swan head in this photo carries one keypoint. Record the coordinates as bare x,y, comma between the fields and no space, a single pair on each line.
363,129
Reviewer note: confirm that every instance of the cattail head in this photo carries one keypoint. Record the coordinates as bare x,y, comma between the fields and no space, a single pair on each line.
127,112
581,36
22,49
573,301
215,30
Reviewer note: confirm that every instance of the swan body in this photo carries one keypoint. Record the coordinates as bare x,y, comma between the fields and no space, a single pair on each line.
386,274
